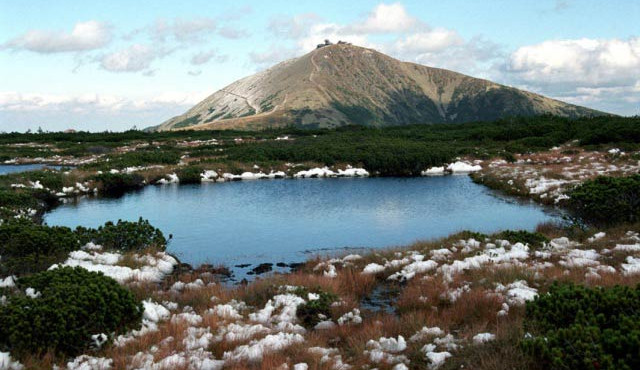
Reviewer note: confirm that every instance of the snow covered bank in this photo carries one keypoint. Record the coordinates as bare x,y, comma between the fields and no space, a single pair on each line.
326,172
153,268
458,167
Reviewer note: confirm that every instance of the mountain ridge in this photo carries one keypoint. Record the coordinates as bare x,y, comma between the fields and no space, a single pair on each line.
342,84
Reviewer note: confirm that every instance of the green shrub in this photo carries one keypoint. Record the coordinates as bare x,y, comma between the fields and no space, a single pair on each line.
607,200
189,175
119,183
51,179
144,157
17,199
123,236
468,234
534,240
309,313
509,157
74,305
575,327
26,247
164,155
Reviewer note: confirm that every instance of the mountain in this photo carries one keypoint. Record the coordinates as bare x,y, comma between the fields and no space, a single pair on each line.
343,84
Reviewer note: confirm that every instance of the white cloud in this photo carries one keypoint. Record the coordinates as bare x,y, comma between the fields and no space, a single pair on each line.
386,18
577,63
96,112
474,57
84,36
561,5
233,33
317,33
428,41
414,40
205,56
19,102
292,27
183,30
134,58
599,73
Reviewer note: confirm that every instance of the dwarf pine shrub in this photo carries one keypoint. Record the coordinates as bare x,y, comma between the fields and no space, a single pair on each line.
73,305
607,200
124,236
190,174
311,312
576,327
119,183
27,247
534,240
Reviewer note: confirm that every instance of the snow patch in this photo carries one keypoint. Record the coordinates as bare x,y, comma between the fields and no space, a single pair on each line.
483,338
463,167
257,348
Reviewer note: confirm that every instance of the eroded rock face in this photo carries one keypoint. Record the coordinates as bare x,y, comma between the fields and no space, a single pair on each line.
344,84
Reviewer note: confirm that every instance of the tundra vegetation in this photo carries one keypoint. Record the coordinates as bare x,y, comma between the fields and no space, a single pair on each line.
561,296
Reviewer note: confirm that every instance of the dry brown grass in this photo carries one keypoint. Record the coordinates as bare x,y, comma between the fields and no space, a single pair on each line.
502,354
474,311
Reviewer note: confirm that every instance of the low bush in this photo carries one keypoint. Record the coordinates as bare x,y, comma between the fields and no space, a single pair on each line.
118,183
312,312
575,327
607,200
189,175
534,240
17,199
141,157
51,179
124,236
73,305
27,247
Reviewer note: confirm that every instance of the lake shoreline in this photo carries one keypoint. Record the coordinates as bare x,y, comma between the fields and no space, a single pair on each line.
430,200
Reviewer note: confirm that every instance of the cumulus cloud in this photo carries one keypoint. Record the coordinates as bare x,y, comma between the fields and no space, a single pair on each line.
594,72
386,18
92,111
233,33
392,30
428,41
206,56
292,27
321,31
577,63
561,5
19,102
190,30
134,58
84,36
446,49
389,28
183,30
308,29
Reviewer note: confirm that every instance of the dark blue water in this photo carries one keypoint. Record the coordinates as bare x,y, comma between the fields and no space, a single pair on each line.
14,168
290,220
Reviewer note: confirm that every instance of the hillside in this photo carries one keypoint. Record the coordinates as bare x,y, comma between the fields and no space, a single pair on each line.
343,84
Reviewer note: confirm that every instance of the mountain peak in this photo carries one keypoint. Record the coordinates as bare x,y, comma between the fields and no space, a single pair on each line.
341,84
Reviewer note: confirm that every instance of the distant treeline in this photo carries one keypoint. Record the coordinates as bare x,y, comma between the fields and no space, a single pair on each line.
406,150
398,150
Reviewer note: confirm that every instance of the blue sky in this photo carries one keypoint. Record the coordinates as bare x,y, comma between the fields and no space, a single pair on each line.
114,64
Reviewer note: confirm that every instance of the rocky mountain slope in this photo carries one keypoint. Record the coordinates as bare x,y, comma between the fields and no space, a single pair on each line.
344,84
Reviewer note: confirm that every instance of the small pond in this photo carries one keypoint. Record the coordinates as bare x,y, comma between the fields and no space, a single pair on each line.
15,168
252,222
